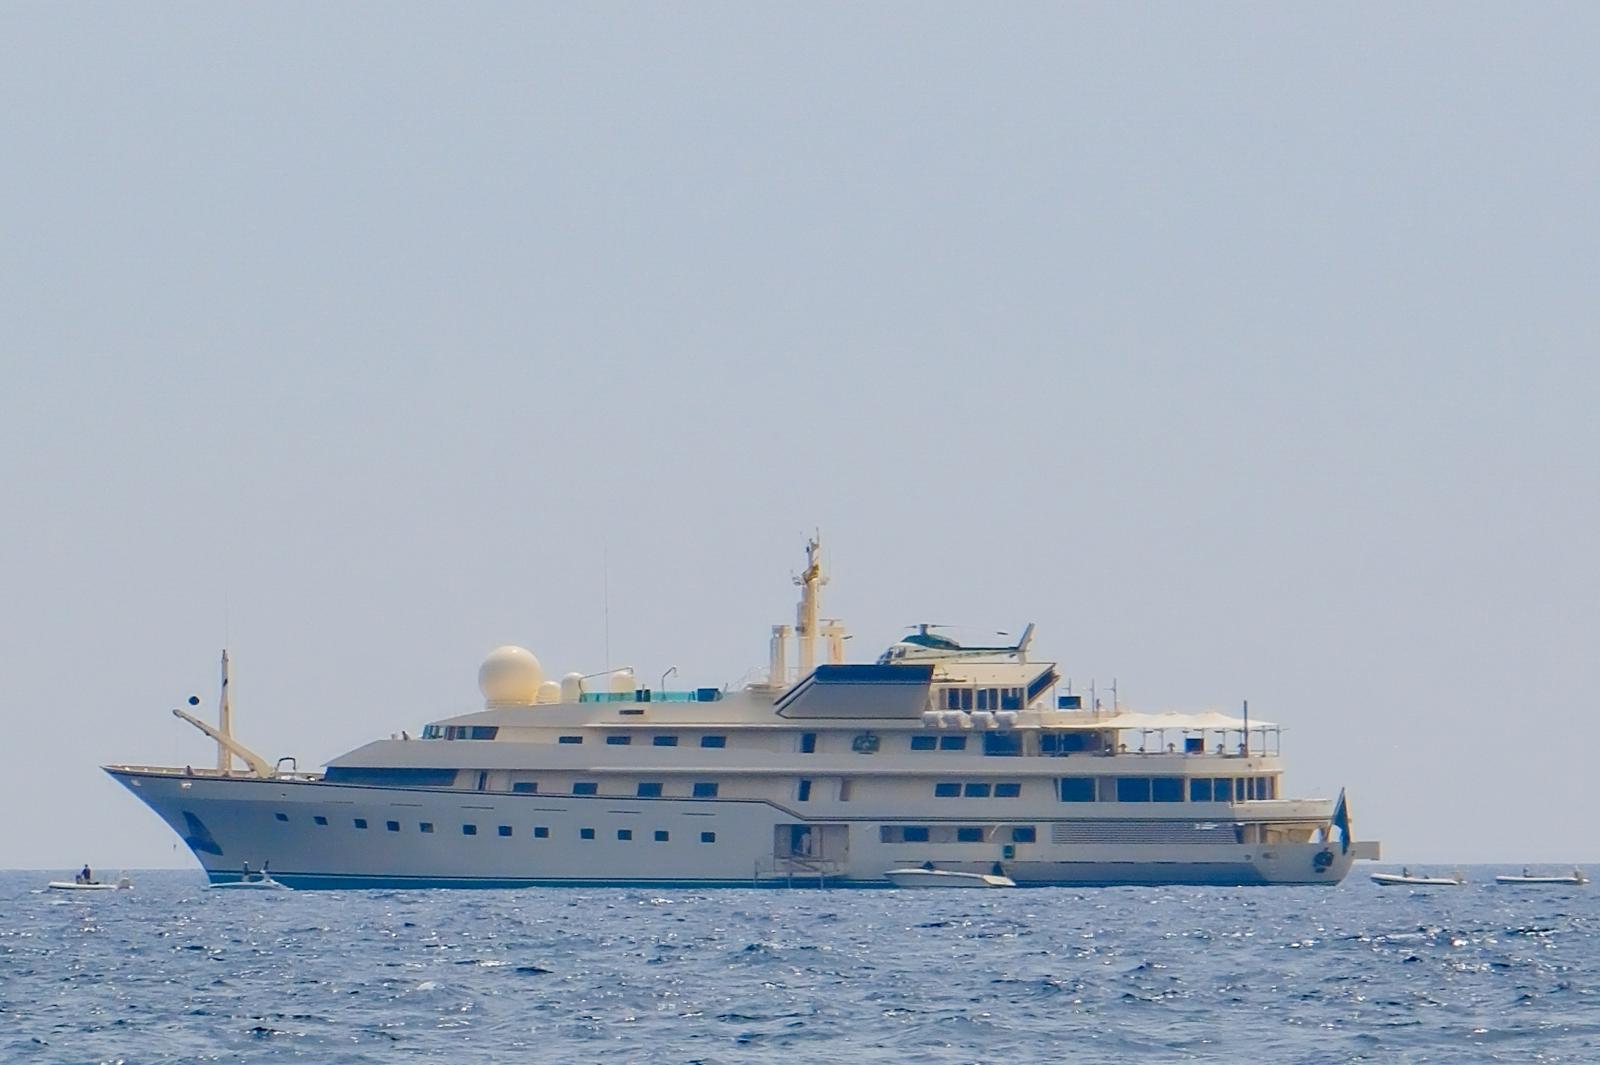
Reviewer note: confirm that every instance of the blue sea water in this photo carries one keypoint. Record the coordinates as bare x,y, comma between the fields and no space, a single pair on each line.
172,972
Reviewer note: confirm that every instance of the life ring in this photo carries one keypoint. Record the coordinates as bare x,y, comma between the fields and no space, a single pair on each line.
1323,861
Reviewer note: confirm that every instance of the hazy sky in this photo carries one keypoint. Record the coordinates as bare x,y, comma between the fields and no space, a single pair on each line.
1248,349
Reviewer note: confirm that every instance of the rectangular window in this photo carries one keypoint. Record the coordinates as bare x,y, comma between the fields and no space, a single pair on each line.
986,699
969,834
319,819
1166,789
713,741
426,826
915,833
504,830
804,794
650,789
1222,789
844,790
808,743
1011,698
952,743
665,741
586,833
482,732
1008,789
1077,789
1002,744
708,837
469,830
977,791
1133,789
624,833
1024,834
1238,789
586,787
705,789
947,790
281,817
661,835
541,832
570,739
924,743
526,787
392,826
1200,789
361,822
615,740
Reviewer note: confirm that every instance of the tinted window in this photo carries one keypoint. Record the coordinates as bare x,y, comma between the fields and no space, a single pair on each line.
586,787
665,741
281,817
1200,789
924,743
952,743
1077,789
469,830
977,791
650,790
541,832
525,786
319,819
586,833
1024,834
1166,789
361,822
805,791
1009,789
915,833
571,739
708,837
1133,789
705,790
624,833
426,826
618,741
947,791
1222,789
505,830
969,834
392,826
1002,743
713,741
661,835
808,743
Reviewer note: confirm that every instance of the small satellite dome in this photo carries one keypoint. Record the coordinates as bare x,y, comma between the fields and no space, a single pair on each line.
510,676
550,691
572,688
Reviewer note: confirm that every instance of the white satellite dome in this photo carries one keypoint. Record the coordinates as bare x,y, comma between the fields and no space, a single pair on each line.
550,691
510,676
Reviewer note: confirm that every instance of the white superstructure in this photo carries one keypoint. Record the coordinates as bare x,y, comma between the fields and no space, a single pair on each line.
938,755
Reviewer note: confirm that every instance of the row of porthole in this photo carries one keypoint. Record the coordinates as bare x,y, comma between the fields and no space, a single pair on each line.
539,831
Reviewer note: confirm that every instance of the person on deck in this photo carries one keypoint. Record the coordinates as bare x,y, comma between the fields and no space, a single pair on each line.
87,876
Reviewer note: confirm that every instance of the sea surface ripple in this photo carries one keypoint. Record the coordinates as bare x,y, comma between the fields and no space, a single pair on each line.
172,972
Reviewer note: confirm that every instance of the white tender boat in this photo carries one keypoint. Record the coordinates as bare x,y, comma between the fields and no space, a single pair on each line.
252,882
1405,878
120,884
1572,879
945,878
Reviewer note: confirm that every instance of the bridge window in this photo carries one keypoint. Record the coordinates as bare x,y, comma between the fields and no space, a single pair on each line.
1008,789
586,787
650,790
924,743
1222,789
1133,789
1077,789
1200,789
705,789
1166,789
1005,744
948,790
952,743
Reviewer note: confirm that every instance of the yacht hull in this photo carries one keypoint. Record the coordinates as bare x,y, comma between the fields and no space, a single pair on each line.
317,834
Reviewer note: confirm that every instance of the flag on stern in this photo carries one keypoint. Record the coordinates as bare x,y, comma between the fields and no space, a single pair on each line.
1341,821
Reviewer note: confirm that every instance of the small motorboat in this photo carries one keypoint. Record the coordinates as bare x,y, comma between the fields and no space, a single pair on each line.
122,883
252,882
1572,879
1405,878
924,877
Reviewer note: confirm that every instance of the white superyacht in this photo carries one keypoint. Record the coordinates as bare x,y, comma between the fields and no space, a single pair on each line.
938,756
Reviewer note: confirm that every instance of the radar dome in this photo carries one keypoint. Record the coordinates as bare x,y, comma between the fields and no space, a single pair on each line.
550,691
510,676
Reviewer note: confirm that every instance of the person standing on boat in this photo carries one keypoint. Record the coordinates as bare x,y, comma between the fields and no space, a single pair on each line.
87,876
